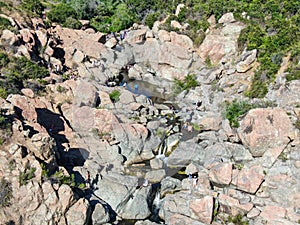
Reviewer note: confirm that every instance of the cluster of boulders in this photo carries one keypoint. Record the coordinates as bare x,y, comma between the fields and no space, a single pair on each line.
130,154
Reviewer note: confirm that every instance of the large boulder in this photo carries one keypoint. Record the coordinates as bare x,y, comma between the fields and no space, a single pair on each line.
116,189
221,44
137,206
266,131
79,213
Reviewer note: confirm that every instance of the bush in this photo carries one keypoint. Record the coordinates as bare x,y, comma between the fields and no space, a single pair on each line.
27,174
59,177
237,220
5,193
186,84
16,74
294,74
59,13
235,110
258,88
4,24
72,23
3,93
4,60
150,19
34,7
114,95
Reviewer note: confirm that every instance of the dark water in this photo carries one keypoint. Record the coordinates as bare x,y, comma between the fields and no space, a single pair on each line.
154,92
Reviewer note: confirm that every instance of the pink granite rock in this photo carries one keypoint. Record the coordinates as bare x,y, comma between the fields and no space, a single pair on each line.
266,129
249,179
203,208
221,173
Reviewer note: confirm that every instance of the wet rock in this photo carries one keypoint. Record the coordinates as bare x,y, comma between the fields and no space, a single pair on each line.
155,176
156,163
169,185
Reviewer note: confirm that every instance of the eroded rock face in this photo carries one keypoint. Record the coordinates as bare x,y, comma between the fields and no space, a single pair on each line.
266,130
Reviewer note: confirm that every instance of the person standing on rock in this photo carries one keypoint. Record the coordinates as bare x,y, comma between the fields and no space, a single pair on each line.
195,180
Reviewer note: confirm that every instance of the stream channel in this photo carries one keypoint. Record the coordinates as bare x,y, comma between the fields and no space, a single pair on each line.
157,96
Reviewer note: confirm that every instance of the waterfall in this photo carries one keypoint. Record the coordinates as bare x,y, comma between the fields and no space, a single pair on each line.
156,204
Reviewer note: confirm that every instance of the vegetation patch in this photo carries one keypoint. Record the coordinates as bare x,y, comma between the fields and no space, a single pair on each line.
27,174
5,193
17,73
237,220
187,83
235,110
114,96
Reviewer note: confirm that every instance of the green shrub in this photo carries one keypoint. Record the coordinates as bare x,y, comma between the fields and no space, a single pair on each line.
3,93
72,23
34,7
4,60
59,13
235,110
293,74
258,89
114,95
59,177
150,19
199,39
5,193
18,73
27,174
4,24
237,220
187,83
